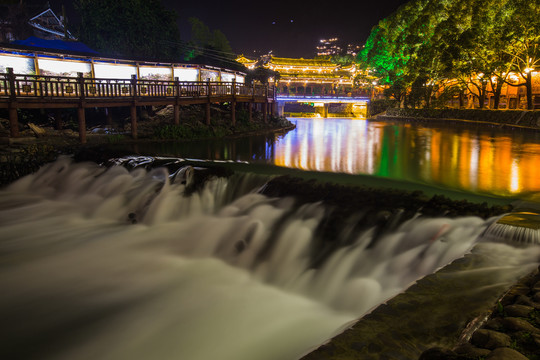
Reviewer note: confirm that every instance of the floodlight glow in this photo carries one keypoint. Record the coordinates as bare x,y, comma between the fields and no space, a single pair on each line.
63,67
186,74
112,71
155,73
20,65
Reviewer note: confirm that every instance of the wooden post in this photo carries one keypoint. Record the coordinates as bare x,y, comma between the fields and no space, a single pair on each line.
82,124
208,102
133,120
265,112
58,119
12,107
133,108
176,114
233,104
208,113
108,116
13,121
250,110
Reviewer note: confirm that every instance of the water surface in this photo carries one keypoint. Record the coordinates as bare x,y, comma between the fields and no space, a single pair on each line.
476,158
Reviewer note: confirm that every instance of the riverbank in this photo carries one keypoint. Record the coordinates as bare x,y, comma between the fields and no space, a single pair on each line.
527,120
40,143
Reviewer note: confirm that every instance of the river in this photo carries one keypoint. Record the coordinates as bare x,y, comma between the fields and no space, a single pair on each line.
115,264
476,158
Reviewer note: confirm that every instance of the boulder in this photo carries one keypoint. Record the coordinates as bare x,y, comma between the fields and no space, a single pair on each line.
490,339
505,354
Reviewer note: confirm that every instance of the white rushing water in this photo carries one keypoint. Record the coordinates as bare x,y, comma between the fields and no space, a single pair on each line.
111,264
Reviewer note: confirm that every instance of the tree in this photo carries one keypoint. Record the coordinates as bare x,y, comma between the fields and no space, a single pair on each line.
524,46
208,47
131,28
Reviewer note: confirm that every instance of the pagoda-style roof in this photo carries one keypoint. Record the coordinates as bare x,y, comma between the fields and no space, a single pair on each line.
48,22
244,60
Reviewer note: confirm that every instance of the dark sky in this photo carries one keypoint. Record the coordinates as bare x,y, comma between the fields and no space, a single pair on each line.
288,28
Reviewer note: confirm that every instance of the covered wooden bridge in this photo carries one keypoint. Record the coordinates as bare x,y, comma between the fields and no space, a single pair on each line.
26,91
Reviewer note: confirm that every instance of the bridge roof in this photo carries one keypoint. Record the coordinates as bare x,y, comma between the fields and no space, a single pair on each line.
318,62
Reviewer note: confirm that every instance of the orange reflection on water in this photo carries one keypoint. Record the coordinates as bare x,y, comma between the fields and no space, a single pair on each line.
482,160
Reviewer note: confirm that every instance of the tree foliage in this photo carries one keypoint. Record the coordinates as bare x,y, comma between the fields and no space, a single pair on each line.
475,43
209,47
130,28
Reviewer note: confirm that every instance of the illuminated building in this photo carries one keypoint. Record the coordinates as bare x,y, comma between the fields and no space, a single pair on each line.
319,76
328,47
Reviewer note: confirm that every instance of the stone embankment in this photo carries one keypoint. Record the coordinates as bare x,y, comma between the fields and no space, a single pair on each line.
511,332
528,120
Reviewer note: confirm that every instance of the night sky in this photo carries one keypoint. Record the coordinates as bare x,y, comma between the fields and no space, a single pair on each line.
288,28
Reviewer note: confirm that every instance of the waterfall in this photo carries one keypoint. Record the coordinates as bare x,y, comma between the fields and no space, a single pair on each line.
122,264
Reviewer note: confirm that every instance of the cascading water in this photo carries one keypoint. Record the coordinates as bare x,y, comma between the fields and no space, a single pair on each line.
115,264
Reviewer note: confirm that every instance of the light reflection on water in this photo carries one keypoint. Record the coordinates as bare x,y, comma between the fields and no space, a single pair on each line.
474,158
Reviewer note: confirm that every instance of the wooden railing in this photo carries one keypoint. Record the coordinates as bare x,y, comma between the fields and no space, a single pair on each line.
17,86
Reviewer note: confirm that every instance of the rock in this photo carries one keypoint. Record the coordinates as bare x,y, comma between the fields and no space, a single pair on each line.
494,324
440,354
536,287
471,351
518,310
517,324
490,339
505,354
536,297
524,300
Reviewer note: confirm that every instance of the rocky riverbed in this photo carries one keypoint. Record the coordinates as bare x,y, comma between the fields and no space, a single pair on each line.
511,331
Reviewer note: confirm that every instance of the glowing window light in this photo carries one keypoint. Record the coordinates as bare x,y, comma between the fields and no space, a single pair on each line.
227,77
62,67
112,71
20,65
209,75
186,74
240,79
155,73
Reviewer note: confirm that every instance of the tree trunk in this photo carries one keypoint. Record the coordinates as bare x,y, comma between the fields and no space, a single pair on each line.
528,85
497,94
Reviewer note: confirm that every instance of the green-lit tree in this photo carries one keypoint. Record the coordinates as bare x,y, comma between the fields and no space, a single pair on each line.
130,28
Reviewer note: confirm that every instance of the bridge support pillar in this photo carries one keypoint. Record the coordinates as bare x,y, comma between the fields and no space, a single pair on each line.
250,111
108,116
58,119
176,114
325,110
82,124
133,121
208,113
13,122
265,112
233,113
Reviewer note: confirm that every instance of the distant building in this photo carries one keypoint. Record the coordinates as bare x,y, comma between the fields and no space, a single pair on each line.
15,25
329,47
48,26
333,46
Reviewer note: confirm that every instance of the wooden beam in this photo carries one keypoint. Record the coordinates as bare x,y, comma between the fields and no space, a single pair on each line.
82,124
176,114
133,109
13,122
